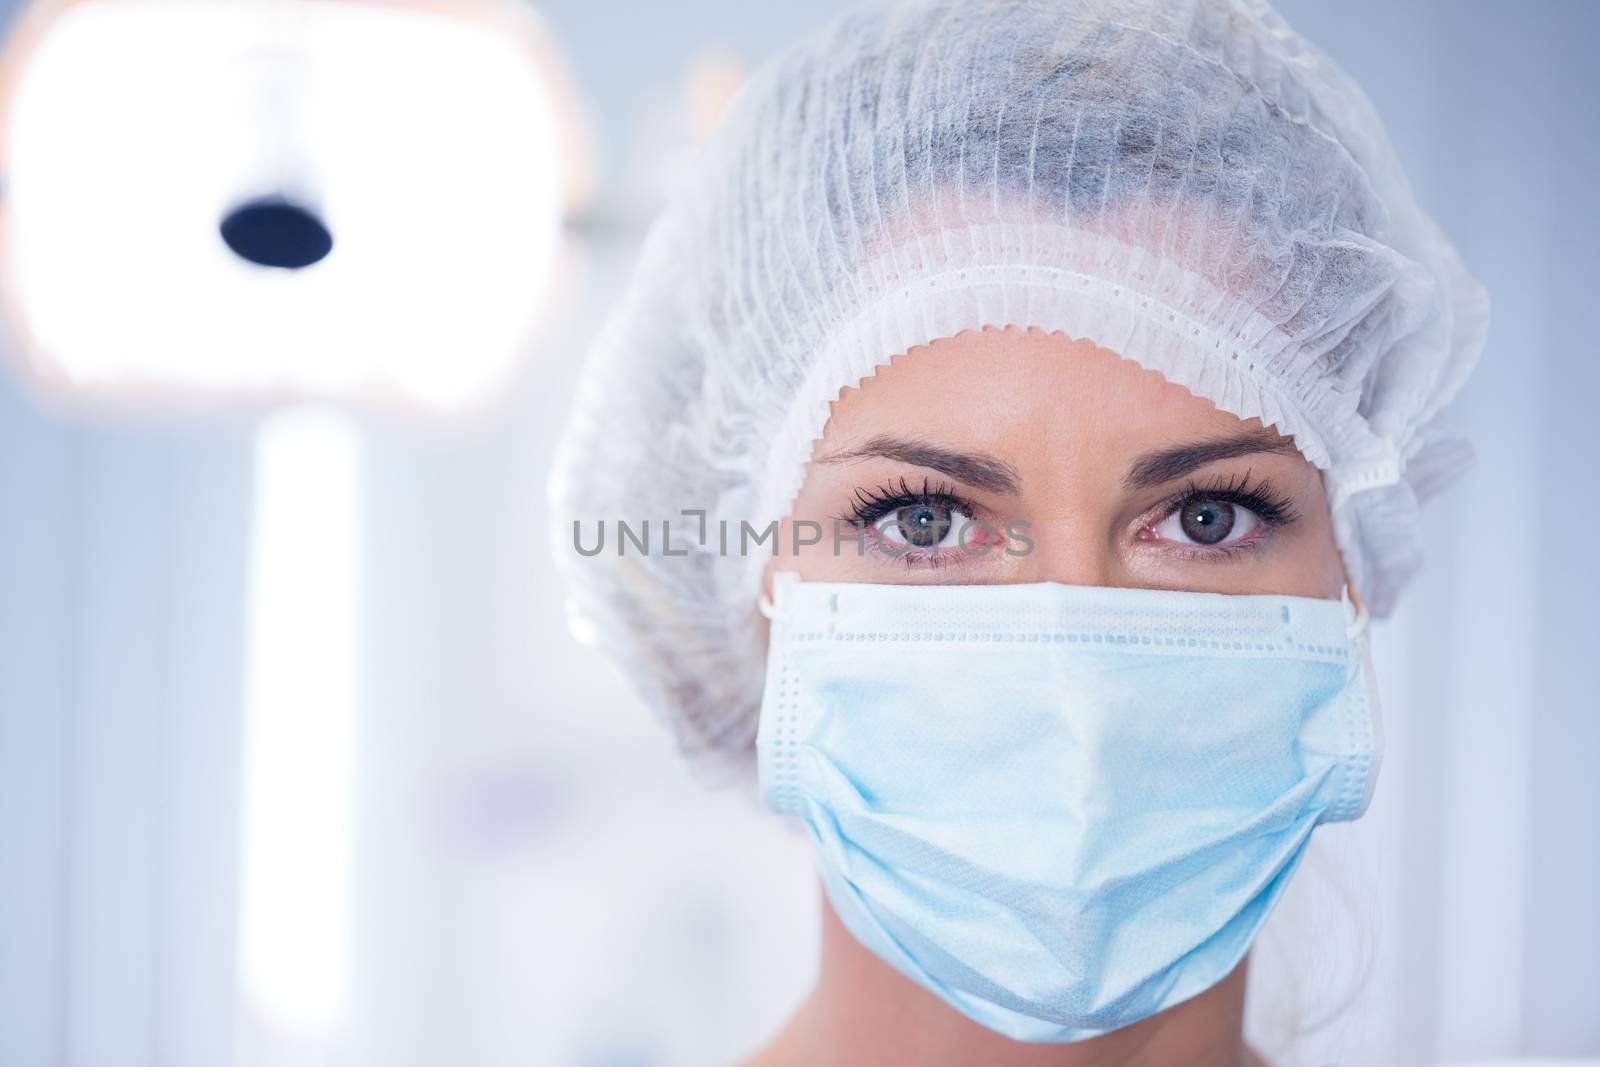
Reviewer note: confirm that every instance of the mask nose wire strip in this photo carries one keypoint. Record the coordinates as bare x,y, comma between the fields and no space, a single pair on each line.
1356,618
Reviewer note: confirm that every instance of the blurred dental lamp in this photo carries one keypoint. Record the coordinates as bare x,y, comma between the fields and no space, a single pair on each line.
210,202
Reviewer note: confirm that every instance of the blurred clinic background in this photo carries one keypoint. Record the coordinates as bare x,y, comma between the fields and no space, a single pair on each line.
298,763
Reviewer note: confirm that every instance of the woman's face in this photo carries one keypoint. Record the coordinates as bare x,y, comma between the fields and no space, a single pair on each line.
1064,463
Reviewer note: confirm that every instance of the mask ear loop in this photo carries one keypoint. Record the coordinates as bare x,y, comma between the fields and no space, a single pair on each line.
1355,614
764,602
1356,624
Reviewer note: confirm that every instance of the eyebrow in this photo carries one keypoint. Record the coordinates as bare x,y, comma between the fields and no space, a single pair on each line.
997,476
974,468
1154,468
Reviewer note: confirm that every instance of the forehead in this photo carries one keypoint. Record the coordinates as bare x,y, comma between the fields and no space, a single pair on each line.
1026,394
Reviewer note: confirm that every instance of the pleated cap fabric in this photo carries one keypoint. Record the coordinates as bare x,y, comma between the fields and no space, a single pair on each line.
1188,183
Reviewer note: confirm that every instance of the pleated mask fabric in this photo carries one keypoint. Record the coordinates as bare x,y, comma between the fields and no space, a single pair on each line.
1062,809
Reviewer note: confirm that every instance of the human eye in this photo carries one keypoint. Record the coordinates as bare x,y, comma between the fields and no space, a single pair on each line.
918,525
1220,518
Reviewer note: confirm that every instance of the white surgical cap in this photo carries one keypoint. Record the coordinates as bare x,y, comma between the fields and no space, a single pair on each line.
1188,183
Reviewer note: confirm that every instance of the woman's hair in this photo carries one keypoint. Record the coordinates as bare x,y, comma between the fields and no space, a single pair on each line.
1313,960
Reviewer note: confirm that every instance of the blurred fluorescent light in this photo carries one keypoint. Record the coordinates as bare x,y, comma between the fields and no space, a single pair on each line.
298,823
433,143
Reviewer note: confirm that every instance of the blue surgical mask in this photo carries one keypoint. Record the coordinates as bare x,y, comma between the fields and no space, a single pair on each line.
1061,808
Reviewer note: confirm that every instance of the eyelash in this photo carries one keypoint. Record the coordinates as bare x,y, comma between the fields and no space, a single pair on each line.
1273,509
870,505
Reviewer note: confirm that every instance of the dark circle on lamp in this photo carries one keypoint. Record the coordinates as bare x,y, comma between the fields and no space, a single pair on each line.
274,232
